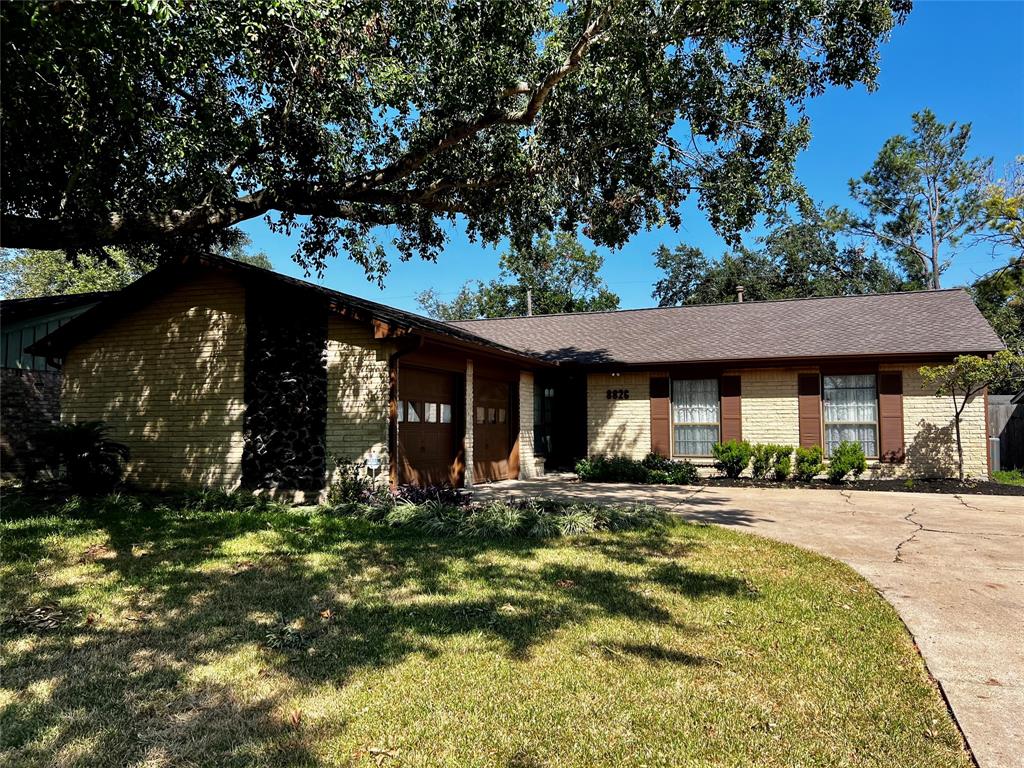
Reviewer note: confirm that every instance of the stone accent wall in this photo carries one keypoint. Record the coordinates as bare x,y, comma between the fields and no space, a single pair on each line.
619,427
469,421
357,396
929,432
285,391
31,401
528,464
168,379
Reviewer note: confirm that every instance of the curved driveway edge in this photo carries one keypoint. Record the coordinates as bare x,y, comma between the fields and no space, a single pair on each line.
952,566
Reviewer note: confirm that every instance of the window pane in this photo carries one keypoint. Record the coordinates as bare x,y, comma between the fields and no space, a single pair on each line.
851,412
430,412
492,415
400,411
864,434
695,401
501,415
412,411
695,440
479,414
850,399
446,413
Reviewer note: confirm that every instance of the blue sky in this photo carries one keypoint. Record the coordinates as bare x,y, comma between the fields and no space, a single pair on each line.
961,59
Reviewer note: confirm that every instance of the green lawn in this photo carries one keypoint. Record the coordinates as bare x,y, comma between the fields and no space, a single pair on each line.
293,637
1009,476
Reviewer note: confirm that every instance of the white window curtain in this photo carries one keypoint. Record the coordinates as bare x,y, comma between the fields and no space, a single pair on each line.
695,416
851,412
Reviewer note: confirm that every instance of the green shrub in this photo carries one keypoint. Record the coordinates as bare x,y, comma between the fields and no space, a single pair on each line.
658,477
808,463
783,463
653,469
83,455
613,469
847,458
350,485
656,461
529,518
682,473
731,457
770,461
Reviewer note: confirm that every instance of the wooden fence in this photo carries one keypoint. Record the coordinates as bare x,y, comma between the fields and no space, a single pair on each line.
1006,422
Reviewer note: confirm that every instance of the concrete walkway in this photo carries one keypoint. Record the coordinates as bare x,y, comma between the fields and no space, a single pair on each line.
952,566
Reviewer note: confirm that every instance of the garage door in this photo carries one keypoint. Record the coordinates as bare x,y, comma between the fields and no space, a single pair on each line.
492,431
428,451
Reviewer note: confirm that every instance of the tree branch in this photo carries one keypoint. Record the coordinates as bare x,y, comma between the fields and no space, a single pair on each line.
461,131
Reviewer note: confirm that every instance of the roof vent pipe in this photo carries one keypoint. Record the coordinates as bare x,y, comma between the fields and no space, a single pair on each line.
739,293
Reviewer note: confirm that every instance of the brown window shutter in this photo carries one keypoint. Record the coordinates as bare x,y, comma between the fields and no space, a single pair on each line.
732,421
661,430
809,394
890,416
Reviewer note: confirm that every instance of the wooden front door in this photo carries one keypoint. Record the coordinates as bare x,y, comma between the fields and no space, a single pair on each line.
429,450
492,431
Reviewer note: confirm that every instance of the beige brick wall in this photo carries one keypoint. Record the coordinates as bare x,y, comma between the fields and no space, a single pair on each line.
168,379
770,414
769,408
619,427
469,421
929,431
528,465
358,384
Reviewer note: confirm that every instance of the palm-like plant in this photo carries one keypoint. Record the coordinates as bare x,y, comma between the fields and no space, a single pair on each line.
84,454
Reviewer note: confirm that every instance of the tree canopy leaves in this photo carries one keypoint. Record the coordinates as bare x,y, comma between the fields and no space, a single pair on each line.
921,198
29,273
968,376
796,260
164,122
559,274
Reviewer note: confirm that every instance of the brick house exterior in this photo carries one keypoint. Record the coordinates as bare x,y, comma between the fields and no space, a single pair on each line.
30,386
221,374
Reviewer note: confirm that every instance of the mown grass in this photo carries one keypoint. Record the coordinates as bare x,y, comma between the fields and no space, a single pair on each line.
199,635
1009,476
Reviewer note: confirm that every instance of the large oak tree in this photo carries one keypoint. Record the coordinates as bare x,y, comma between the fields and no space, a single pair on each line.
166,122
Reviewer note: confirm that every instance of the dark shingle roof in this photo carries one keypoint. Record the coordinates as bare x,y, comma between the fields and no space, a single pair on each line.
139,292
12,310
916,323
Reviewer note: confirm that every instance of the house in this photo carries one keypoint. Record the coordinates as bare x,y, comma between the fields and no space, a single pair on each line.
31,387
223,374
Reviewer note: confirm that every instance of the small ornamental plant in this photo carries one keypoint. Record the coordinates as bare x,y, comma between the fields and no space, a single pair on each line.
732,457
808,463
847,458
967,377
771,462
653,469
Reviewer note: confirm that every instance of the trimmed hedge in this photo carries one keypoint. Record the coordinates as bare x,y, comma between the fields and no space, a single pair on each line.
847,458
771,462
808,463
654,469
732,457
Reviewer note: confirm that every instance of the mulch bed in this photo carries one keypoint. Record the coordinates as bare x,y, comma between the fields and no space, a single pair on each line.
884,485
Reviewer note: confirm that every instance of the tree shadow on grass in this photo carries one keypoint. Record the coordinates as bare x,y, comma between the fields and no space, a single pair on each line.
651,652
124,688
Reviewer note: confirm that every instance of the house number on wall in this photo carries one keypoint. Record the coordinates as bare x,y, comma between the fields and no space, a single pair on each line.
618,394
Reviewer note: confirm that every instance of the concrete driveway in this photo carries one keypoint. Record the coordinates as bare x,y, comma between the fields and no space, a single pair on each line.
953,566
